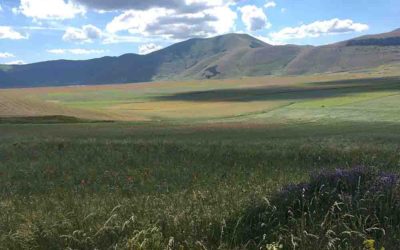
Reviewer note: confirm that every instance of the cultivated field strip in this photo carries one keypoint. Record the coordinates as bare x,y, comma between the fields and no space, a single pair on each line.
262,99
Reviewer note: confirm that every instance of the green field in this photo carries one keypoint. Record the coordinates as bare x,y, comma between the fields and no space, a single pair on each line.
182,165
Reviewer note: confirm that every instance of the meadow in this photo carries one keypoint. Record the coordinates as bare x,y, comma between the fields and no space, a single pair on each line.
364,95
203,165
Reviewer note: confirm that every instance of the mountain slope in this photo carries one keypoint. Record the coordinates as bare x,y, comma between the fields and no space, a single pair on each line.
172,62
227,56
359,53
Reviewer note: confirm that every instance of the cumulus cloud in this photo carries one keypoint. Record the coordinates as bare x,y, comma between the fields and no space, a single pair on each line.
170,19
86,34
49,9
268,40
6,55
7,32
181,6
254,18
170,23
270,4
75,51
319,28
148,48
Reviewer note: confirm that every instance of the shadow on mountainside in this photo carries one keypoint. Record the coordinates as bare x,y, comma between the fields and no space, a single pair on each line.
313,90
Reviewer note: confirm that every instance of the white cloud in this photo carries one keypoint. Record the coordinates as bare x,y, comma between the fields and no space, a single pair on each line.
148,48
88,33
137,21
6,55
75,51
17,62
49,9
254,18
319,28
215,18
1,8
85,51
269,40
169,19
7,32
180,6
115,38
270,4
57,51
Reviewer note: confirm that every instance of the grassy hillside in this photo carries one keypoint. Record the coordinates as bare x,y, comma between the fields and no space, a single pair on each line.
358,53
169,63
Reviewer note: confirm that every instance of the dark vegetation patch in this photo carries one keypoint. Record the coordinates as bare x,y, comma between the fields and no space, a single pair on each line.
389,41
44,120
318,90
211,72
256,44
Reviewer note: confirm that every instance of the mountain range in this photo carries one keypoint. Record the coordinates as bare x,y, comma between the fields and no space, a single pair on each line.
226,56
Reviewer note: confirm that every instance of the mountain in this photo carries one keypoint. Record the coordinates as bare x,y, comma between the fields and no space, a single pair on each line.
227,56
359,53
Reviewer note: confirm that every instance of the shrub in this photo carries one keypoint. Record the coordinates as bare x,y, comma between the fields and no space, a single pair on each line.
340,209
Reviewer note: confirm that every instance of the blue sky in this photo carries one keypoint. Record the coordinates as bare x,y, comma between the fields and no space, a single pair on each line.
39,30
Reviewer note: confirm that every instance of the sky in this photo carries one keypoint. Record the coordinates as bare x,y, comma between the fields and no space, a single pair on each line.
41,30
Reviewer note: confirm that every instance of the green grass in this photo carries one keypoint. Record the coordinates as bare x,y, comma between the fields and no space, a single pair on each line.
210,153
138,186
275,100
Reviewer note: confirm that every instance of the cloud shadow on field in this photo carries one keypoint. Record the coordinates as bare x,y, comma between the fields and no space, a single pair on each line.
314,90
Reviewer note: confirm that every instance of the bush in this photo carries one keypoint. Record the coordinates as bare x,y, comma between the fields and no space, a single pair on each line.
340,209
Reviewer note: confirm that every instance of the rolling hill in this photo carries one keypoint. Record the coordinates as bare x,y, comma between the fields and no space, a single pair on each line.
359,53
226,56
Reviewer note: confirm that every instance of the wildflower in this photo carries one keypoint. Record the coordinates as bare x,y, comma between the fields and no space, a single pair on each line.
369,244
274,246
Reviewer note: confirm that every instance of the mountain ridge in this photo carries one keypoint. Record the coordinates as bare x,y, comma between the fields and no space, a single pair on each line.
225,56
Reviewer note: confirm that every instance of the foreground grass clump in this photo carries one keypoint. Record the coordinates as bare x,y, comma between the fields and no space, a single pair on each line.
341,209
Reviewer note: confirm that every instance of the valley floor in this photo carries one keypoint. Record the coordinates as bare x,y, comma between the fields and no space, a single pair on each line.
357,96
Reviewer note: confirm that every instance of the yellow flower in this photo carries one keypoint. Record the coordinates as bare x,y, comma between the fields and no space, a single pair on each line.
274,246
369,245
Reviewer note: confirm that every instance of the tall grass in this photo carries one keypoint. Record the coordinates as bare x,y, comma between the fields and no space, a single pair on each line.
184,190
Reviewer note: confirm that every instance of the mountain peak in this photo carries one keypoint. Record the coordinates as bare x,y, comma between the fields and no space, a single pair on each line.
233,38
212,46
